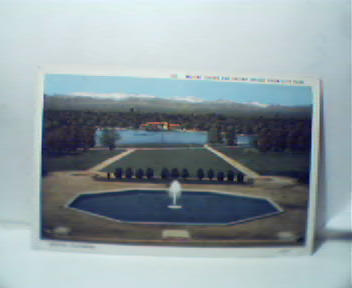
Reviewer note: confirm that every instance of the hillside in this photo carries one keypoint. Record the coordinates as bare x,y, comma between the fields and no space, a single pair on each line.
137,104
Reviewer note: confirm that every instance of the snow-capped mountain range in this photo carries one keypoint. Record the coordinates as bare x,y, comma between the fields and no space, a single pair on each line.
189,99
122,102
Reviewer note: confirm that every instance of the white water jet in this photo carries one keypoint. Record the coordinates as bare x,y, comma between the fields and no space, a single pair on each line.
175,193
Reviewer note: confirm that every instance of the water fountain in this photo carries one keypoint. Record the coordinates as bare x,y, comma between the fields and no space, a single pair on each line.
175,193
139,206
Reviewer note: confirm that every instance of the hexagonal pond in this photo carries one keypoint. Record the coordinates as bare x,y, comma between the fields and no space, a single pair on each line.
195,207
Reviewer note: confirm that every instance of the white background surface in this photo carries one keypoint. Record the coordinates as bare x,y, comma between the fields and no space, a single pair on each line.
22,267
307,38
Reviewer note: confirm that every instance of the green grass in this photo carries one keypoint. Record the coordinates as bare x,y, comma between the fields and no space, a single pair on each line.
192,159
158,145
79,161
271,163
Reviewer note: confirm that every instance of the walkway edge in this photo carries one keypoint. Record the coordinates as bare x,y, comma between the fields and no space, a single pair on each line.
245,170
111,160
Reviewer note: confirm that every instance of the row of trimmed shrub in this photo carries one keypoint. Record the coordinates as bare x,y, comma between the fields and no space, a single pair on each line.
176,174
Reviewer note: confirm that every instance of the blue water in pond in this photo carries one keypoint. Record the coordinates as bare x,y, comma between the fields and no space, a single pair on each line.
152,206
246,140
156,137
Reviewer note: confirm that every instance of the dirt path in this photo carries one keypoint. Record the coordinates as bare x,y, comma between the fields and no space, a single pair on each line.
167,148
245,170
111,160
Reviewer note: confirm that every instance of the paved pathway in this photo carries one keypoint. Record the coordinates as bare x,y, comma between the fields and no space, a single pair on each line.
111,160
245,170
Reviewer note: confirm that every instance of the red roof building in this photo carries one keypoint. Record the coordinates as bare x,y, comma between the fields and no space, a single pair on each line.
161,125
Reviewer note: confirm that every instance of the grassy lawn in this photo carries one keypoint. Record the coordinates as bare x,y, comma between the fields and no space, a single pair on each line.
79,161
158,145
183,158
271,163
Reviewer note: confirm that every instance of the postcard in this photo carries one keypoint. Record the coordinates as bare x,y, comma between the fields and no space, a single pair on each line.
181,162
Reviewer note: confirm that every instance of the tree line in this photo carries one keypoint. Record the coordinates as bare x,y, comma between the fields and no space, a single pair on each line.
66,131
174,173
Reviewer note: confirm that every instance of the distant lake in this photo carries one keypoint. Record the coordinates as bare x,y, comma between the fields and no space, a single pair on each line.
156,137
246,140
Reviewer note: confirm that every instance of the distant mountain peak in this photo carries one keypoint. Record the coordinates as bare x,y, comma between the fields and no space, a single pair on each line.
114,96
262,105
191,99
188,99
224,101
120,102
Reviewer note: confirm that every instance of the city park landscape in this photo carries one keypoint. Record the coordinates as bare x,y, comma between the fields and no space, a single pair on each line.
128,142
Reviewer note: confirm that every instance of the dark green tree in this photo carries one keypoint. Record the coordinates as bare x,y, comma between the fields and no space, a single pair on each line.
230,176
264,142
210,174
219,134
220,176
165,174
185,174
200,173
109,138
118,172
214,134
291,141
140,173
174,173
150,173
240,178
129,173
230,136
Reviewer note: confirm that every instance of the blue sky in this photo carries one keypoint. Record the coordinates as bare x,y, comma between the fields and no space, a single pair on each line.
192,90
